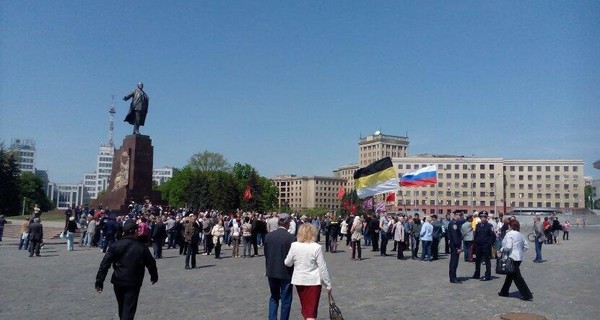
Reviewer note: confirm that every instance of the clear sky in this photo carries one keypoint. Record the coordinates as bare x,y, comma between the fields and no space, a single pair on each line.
289,86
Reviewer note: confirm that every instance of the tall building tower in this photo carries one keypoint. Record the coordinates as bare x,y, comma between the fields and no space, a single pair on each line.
374,147
97,181
25,150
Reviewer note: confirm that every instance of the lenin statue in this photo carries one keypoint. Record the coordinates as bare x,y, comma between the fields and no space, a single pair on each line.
138,108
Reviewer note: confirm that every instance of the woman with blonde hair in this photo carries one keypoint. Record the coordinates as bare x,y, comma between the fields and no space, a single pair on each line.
218,232
310,270
356,231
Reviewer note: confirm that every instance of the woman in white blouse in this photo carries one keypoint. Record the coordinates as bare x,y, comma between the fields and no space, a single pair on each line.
310,270
515,244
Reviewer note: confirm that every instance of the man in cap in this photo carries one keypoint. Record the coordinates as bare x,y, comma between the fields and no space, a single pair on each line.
277,246
129,257
484,238
455,243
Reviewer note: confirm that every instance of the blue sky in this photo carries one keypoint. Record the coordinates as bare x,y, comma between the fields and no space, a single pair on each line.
289,86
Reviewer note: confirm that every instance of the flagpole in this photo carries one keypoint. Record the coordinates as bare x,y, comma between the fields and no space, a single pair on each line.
437,204
403,202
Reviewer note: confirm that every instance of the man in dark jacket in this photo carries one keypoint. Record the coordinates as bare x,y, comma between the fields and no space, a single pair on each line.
277,246
108,233
436,237
128,257
36,234
159,234
191,236
484,237
455,243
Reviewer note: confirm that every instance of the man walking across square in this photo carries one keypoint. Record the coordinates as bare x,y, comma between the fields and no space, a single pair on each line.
129,257
277,246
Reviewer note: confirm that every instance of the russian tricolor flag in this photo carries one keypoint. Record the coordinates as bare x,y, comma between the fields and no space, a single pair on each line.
422,177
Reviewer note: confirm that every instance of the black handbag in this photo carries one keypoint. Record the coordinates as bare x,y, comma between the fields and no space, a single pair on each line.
334,311
505,264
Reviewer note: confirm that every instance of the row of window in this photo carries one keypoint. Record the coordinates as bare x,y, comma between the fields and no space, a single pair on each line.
488,203
568,187
546,168
547,177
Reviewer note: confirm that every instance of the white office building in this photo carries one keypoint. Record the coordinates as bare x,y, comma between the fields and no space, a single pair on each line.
162,175
25,151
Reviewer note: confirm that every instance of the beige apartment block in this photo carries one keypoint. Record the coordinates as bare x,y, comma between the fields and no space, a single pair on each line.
377,146
545,183
493,184
301,193
347,173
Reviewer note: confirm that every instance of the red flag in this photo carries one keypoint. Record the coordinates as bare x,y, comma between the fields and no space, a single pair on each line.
248,193
341,192
391,197
346,204
353,209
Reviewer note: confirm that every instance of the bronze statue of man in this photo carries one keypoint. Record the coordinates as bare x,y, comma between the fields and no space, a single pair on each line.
138,108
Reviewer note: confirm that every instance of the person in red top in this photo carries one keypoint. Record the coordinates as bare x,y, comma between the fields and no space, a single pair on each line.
547,230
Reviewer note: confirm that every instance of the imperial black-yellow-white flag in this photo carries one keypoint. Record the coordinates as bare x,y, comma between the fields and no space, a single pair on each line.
378,177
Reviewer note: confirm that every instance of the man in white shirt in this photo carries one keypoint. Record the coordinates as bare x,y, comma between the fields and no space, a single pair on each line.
384,226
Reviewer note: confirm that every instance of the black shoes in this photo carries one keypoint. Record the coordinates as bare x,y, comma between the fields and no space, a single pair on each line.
503,294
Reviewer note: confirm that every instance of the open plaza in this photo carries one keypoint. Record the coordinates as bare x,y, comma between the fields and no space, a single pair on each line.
60,285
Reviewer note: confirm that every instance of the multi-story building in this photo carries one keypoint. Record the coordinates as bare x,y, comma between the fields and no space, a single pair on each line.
97,181
162,175
471,183
467,184
26,154
347,173
374,147
66,195
300,193
545,184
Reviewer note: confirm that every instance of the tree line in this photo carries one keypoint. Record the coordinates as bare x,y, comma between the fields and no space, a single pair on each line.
209,182
19,188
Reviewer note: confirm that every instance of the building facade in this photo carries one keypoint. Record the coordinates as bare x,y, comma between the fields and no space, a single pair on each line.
26,154
300,193
473,184
97,181
162,175
347,173
374,147
66,195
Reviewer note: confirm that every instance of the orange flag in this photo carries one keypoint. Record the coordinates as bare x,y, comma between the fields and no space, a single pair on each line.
248,193
391,197
341,192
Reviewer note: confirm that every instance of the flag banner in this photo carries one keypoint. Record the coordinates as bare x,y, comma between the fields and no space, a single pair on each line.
422,177
380,207
391,197
378,177
341,192
248,193
368,204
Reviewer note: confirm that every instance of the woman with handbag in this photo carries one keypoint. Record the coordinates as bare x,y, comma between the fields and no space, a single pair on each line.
310,270
514,245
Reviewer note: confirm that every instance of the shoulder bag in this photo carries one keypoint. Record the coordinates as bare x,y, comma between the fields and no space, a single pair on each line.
334,311
505,264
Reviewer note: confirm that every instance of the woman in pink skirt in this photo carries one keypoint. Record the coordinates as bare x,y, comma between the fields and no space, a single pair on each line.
310,270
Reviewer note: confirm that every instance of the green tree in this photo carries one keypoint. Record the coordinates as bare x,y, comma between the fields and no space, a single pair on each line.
175,191
209,161
270,195
31,187
10,201
587,193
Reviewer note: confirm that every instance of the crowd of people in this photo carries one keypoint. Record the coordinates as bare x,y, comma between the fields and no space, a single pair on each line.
293,241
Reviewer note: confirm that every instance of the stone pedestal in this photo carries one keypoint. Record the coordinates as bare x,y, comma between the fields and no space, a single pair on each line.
131,177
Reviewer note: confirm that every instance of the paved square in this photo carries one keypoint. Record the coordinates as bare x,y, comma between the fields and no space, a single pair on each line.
60,285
